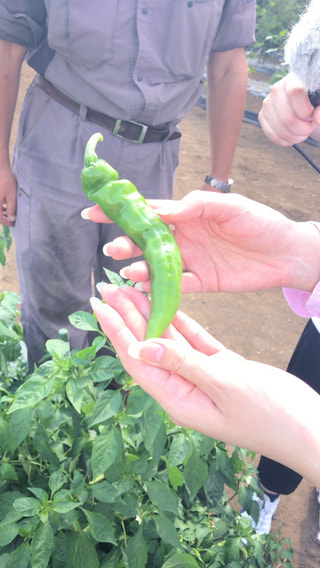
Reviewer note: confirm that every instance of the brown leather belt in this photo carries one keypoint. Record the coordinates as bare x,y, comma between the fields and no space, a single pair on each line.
127,129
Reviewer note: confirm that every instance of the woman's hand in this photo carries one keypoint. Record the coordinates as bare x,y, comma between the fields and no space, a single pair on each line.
229,243
203,386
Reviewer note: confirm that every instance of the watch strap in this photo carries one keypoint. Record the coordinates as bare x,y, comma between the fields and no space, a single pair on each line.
223,186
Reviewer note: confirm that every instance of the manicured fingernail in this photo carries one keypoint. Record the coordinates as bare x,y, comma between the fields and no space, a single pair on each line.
85,213
100,286
12,218
95,302
123,273
139,286
105,250
147,351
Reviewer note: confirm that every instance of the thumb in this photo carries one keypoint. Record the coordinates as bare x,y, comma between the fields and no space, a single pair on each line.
176,358
161,353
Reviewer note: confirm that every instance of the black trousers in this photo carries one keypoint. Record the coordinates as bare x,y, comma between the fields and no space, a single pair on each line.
305,364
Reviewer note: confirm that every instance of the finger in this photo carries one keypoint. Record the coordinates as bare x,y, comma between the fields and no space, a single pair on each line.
132,306
5,219
121,248
95,214
196,335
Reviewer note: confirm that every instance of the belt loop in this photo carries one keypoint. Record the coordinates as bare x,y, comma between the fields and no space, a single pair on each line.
83,110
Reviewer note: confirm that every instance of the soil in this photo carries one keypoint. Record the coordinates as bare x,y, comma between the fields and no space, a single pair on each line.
258,325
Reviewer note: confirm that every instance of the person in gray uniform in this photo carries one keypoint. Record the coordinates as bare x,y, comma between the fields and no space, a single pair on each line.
130,70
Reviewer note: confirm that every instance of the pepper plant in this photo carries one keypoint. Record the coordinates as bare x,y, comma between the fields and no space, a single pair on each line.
94,476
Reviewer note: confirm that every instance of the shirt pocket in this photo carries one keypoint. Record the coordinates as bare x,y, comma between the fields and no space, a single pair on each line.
192,26
82,31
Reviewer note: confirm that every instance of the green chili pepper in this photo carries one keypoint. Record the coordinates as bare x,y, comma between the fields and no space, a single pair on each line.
122,203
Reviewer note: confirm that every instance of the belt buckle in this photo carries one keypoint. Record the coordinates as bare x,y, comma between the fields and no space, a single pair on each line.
142,134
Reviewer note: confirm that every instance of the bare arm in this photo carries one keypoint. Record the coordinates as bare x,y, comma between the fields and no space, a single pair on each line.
11,58
227,88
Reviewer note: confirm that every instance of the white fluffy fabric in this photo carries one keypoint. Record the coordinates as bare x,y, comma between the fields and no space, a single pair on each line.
302,50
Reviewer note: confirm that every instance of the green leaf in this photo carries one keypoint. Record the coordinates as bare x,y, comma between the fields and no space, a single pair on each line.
44,447
108,404
21,421
137,401
161,496
181,560
75,394
167,531
224,464
27,506
40,494
6,505
100,527
41,546
105,368
179,449
8,472
137,551
214,486
63,503
85,555
106,450
114,277
176,478
31,392
4,560
153,430
195,474
8,333
5,436
8,532
57,480
20,558
84,320
105,492
57,348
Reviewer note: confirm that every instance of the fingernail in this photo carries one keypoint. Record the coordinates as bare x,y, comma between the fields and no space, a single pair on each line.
147,351
95,302
105,250
123,272
139,286
85,213
100,286
12,218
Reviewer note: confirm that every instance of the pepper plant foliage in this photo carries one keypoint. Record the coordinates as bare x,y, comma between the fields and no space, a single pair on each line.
93,476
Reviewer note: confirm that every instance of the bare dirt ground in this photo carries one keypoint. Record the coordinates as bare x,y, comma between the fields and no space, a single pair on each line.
258,325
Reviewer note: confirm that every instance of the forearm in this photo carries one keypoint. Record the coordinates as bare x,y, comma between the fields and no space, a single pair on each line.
227,74
11,58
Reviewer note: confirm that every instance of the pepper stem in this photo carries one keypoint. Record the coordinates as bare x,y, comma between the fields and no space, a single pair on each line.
90,155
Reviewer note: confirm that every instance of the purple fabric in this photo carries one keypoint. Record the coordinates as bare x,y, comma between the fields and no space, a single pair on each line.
305,304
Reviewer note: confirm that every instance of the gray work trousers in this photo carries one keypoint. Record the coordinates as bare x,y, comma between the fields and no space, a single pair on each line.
56,250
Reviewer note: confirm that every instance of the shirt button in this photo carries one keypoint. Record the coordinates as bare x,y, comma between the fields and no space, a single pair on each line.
190,4
139,77
144,10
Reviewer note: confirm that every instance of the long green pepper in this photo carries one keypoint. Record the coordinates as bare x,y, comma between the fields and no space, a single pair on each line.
122,203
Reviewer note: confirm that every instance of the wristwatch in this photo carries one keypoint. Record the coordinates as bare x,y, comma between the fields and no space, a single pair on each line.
223,186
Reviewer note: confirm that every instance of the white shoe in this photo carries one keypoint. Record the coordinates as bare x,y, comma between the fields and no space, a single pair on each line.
267,509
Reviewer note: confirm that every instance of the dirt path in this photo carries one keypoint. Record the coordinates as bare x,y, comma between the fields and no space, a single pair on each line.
258,325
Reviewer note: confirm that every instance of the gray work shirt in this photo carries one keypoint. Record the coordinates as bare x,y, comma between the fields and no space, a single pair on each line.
131,59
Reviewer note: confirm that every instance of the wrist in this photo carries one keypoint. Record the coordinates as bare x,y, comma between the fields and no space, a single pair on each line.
306,248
